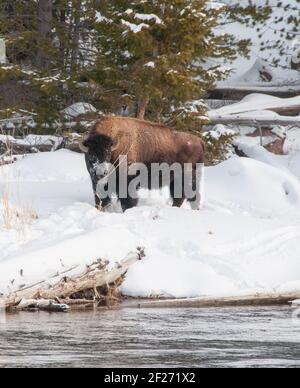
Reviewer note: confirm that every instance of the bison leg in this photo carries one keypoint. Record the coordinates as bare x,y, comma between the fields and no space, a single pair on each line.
128,203
105,203
101,203
131,198
177,202
97,202
97,199
196,202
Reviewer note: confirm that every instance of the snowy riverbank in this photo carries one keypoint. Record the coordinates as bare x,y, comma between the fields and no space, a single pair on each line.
246,239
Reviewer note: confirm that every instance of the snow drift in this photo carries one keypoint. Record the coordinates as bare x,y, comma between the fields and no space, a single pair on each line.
245,240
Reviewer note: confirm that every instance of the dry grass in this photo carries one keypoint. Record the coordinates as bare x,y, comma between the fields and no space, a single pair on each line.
11,216
15,217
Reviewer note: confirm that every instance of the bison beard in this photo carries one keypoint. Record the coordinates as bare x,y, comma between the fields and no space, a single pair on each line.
144,143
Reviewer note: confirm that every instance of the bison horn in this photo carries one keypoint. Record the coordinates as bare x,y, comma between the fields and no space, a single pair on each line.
116,144
82,146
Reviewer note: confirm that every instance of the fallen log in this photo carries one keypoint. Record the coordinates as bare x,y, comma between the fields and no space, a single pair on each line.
235,301
43,305
255,121
71,284
19,147
16,120
10,147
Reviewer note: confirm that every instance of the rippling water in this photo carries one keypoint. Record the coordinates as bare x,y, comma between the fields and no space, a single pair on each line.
129,337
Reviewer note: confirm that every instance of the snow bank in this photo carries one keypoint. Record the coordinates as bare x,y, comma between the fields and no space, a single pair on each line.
219,254
288,163
245,240
61,166
45,182
254,186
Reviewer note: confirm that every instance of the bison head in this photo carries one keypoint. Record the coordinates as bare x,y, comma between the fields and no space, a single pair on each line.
98,150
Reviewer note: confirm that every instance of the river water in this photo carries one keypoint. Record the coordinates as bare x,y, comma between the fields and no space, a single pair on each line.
130,337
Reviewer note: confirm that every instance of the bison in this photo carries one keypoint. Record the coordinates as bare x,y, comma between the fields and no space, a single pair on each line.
144,143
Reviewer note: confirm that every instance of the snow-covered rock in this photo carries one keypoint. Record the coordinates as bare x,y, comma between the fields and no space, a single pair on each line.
78,109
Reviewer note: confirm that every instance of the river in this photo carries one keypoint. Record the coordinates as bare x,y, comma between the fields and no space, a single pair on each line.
130,337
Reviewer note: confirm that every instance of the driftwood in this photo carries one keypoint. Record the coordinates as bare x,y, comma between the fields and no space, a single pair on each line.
16,120
57,305
283,91
11,146
73,284
239,301
263,122
43,305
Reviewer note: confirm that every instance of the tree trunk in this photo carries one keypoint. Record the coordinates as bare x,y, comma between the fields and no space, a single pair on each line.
45,9
143,103
75,35
61,17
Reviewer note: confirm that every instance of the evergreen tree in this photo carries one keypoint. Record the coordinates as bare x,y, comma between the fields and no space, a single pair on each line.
155,58
49,46
159,56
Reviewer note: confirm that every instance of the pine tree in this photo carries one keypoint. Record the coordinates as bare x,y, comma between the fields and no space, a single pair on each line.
155,58
49,45
159,56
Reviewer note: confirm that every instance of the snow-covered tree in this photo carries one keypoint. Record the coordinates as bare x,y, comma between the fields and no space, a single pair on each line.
155,59
159,55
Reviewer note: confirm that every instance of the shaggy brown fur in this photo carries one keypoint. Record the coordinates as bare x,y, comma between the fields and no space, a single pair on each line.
142,142
148,142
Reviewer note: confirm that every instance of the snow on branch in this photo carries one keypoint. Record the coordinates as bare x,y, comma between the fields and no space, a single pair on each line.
135,28
148,17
